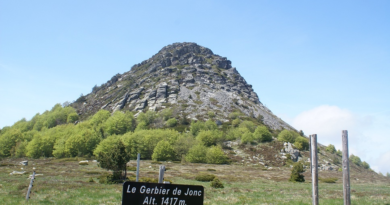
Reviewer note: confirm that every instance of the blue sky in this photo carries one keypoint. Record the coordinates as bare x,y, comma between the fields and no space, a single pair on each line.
321,66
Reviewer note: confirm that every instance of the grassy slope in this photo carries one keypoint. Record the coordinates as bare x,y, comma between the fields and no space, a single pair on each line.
65,182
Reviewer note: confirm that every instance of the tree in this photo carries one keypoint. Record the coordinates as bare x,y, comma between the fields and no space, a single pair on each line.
301,143
115,160
296,171
287,136
262,134
330,148
163,151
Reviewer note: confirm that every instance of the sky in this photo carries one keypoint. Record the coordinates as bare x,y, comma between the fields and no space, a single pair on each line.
323,67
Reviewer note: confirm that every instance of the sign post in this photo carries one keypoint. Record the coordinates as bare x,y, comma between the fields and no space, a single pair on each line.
139,193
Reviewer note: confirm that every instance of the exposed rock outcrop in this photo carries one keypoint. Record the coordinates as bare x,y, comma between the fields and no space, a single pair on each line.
184,75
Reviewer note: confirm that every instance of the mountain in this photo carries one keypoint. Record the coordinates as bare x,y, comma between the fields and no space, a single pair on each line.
187,77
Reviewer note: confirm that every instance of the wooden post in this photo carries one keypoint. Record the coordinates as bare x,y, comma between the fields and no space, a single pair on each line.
314,166
138,159
346,182
311,169
161,174
31,185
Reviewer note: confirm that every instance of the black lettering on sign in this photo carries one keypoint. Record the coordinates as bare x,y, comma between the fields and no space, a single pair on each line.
139,193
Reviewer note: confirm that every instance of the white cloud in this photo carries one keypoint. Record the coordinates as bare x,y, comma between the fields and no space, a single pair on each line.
367,134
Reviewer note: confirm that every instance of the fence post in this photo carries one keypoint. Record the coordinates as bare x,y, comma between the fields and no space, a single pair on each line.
30,186
314,166
311,169
138,159
161,174
346,182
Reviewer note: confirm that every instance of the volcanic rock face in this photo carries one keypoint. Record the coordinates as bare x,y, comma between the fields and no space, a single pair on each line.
185,76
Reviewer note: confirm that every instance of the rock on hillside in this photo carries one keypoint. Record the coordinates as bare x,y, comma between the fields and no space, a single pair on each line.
185,76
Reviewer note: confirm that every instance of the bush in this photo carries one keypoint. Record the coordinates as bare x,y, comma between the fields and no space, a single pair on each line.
330,148
171,122
339,153
163,151
91,180
247,137
236,122
301,143
215,155
287,136
197,154
336,160
365,165
296,171
262,134
328,180
355,159
249,125
203,177
216,183
209,137
72,117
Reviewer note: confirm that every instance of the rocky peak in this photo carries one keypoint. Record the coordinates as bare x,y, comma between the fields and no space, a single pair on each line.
182,76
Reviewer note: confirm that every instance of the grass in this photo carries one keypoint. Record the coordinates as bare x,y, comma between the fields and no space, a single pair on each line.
66,182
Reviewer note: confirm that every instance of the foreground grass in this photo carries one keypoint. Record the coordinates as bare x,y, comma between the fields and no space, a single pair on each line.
65,182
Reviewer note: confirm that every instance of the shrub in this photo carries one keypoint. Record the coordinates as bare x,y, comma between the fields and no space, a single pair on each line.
236,122
339,153
301,143
296,171
249,125
330,148
204,177
287,136
355,159
91,179
365,165
328,180
197,154
163,151
171,122
209,137
211,114
336,160
262,134
72,117
247,137
234,115
215,155
216,183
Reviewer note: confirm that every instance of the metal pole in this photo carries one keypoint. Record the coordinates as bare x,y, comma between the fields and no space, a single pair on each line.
31,185
138,159
314,165
161,174
346,182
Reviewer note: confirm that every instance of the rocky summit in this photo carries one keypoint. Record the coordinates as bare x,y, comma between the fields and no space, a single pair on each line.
186,77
